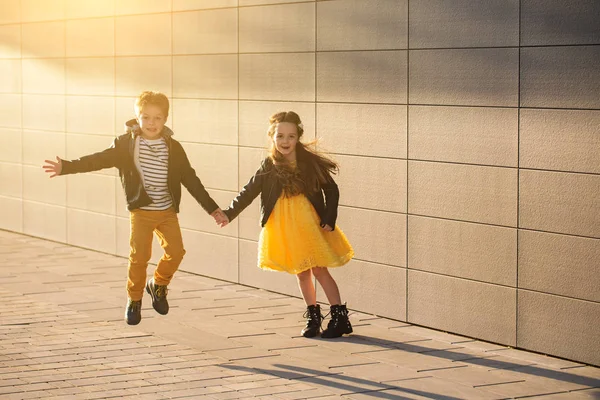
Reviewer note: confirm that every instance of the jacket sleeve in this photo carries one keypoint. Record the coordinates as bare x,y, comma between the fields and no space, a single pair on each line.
192,183
247,195
332,197
93,162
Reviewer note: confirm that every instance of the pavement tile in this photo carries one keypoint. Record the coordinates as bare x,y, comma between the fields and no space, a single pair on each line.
327,357
524,356
385,394
415,361
257,384
357,343
436,388
532,386
309,393
588,394
189,393
474,376
250,377
243,353
270,390
380,372
275,342
145,396
577,377
492,361
341,384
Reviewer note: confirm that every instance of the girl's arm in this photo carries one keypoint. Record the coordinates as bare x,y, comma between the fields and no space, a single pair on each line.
247,195
332,197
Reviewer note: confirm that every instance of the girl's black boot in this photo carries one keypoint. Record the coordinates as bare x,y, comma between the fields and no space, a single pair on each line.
339,323
313,321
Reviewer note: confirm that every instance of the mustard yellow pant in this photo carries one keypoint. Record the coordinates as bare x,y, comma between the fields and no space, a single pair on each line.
166,227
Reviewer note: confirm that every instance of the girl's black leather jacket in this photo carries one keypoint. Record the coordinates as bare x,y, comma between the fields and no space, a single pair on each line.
265,183
120,155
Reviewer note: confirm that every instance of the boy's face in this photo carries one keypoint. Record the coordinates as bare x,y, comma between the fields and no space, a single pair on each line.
151,120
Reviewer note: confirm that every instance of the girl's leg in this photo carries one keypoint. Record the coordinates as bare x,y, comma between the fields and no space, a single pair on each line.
307,287
339,324
313,311
328,284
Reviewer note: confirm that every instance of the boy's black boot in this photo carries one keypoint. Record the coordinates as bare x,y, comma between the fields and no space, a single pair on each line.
339,323
313,321
133,312
159,297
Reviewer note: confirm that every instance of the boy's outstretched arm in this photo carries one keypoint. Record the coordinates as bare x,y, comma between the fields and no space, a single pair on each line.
92,162
52,167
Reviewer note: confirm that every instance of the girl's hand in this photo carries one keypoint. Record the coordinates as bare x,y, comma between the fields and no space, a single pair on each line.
220,217
327,228
54,168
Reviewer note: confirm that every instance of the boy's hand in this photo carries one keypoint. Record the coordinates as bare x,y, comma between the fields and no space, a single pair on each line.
220,217
54,168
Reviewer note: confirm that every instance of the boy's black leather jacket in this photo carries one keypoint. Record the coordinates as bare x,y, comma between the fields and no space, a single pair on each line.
265,183
120,155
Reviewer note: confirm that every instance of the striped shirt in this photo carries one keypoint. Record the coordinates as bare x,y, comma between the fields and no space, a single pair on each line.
154,163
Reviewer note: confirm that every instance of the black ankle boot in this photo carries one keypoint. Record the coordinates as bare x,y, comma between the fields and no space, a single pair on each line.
339,323
313,321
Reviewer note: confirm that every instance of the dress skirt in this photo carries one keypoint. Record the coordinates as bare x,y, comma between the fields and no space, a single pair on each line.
293,241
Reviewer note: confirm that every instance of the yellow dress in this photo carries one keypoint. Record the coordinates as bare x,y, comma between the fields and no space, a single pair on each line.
293,241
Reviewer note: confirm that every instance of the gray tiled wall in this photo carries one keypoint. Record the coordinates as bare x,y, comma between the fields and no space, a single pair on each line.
468,135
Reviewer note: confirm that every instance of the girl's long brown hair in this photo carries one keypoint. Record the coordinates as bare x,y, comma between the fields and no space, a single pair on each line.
317,168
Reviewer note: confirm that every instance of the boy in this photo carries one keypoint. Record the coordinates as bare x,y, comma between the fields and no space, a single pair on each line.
152,166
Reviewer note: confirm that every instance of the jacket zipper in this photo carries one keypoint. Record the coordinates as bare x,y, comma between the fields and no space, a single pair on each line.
168,141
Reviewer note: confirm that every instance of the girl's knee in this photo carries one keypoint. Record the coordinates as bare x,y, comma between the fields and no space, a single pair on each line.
320,272
304,275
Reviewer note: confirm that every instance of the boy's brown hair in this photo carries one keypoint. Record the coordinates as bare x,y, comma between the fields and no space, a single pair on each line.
150,97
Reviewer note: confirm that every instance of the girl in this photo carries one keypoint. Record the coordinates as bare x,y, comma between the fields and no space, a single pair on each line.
299,235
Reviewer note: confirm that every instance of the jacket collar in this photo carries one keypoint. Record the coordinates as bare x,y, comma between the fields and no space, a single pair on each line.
132,128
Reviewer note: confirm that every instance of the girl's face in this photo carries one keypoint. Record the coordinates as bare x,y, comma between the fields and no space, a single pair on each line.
151,121
285,139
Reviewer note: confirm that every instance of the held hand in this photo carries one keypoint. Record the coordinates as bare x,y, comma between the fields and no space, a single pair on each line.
54,168
327,228
220,217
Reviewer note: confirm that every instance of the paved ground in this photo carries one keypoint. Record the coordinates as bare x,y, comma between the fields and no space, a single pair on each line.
62,336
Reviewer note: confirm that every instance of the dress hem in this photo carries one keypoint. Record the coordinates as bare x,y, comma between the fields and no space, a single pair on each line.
344,260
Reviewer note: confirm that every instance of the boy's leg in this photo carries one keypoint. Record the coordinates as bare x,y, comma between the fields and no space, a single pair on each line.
170,239
143,224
